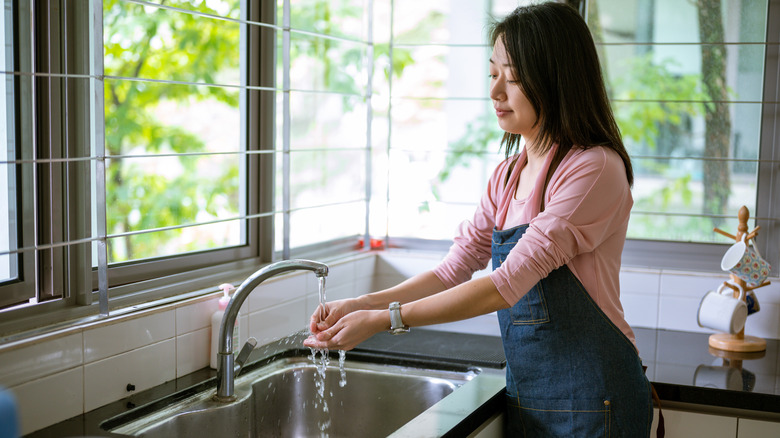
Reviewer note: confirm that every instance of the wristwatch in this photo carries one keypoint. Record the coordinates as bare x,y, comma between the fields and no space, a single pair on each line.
397,326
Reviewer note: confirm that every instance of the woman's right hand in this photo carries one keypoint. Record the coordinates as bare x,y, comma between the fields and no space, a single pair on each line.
330,313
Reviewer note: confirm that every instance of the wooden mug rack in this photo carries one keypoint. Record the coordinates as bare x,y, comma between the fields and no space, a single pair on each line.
739,342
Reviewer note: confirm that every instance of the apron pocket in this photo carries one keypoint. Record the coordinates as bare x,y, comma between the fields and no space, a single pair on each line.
559,418
531,309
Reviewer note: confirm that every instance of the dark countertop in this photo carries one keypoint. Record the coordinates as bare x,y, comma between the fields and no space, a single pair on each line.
682,367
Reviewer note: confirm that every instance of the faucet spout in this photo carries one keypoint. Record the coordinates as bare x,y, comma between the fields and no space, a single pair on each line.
225,362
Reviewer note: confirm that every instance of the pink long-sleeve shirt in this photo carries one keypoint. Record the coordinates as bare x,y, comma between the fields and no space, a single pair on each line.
583,225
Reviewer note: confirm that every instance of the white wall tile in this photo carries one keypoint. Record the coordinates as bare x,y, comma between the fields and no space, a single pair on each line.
108,340
384,281
339,292
339,274
769,294
639,295
192,351
640,282
243,327
364,266
640,310
679,313
195,316
765,323
106,380
40,359
46,401
278,290
276,322
406,264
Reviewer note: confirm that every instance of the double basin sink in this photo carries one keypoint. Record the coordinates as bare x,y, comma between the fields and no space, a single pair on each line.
283,395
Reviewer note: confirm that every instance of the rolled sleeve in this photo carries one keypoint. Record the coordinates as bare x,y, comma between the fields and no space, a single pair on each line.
587,203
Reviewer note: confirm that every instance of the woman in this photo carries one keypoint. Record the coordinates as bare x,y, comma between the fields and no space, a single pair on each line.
553,221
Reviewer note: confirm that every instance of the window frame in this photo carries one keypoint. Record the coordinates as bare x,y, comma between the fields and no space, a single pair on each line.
696,256
706,257
144,283
23,286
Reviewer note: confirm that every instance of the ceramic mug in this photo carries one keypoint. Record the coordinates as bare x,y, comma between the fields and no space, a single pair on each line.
752,302
722,312
744,261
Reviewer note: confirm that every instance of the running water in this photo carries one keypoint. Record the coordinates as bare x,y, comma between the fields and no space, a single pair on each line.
321,364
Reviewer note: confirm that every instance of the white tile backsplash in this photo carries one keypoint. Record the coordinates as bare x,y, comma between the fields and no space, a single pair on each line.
276,291
66,375
271,324
49,400
107,340
195,316
107,380
192,351
40,359
640,310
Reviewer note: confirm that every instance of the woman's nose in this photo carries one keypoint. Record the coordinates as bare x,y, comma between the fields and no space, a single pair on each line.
497,90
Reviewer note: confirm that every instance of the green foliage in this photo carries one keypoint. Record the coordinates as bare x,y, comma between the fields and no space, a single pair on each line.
146,42
474,143
659,97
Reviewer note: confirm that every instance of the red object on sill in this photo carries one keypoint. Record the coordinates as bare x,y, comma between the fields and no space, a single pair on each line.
373,243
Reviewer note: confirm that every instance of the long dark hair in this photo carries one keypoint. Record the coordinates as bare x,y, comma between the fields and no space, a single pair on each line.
554,59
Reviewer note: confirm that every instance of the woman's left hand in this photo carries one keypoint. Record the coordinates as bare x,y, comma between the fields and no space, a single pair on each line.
350,330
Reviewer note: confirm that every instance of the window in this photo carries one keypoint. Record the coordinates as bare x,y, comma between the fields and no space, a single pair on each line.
323,136
443,137
181,167
695,103
154,146
170,144
137,147
15,174
694,97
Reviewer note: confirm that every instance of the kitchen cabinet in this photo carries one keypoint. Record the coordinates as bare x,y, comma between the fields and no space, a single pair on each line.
747,428
492,428
684,424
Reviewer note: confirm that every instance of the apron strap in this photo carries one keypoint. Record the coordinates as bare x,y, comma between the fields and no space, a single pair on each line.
661,431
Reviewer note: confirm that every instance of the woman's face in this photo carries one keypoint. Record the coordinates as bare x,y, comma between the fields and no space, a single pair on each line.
515,113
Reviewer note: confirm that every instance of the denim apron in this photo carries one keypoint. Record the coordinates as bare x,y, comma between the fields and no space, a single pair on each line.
570,371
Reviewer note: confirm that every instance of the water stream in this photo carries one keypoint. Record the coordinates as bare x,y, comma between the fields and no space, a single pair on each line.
320,358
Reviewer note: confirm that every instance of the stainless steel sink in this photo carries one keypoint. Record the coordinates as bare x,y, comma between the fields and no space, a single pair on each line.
281,399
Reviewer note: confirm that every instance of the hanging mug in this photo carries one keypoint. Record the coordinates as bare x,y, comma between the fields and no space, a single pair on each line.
745,262
722,312
752,302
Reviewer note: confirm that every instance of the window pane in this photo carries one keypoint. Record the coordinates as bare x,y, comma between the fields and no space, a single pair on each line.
324,64
8,209
442,71
319,120
222,8
322,224
340,18
144,41
447,21
686,81
325,177
182,143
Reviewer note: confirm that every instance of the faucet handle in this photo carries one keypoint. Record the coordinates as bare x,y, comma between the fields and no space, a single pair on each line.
243,355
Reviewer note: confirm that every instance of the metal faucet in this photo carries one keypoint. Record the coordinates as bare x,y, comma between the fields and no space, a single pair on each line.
226,368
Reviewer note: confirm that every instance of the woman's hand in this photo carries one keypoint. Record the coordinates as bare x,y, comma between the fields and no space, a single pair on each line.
350,330
328,314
